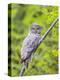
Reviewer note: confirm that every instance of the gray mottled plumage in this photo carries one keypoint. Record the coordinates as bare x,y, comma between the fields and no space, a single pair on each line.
30,43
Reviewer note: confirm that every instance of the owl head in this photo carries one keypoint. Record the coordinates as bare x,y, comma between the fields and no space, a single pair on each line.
35,28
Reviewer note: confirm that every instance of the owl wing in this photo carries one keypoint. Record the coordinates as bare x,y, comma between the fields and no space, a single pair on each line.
29,45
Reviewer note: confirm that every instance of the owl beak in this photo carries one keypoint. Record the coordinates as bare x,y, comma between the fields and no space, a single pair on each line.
35,30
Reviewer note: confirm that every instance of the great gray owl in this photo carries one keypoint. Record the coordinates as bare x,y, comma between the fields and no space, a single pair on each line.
30,43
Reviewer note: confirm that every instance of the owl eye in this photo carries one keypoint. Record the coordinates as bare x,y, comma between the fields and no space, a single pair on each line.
33,28
38,28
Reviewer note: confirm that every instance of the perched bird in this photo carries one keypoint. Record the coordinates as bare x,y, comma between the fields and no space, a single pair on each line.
30,43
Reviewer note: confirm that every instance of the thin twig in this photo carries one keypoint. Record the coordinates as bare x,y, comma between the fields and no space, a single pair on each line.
22,71
52,25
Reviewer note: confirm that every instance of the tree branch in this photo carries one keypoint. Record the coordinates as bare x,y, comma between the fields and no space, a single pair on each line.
22,71
43,37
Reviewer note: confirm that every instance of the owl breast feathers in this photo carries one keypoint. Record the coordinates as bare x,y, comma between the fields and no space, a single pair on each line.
29,45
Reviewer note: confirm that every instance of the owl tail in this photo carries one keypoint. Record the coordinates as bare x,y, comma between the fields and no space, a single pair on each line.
22,60
25,62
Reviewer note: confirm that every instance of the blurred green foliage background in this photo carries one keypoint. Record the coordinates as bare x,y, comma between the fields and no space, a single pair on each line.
45,59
